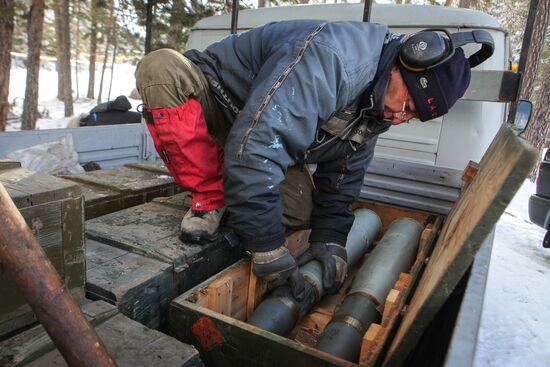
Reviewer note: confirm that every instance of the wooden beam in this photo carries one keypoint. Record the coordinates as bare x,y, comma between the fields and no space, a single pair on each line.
220,295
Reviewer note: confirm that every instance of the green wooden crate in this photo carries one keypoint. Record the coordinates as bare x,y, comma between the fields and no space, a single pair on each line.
54,210
8,164
147,264
109,190
141,287
128,342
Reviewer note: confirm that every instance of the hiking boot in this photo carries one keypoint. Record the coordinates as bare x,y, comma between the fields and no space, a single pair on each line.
201,227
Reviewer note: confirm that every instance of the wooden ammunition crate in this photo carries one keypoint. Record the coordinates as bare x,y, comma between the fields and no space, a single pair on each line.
110,190
141,287
222,304
54,210
212,316
137,261
129,343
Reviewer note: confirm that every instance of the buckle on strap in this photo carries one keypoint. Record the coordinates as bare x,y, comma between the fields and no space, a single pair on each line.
146,113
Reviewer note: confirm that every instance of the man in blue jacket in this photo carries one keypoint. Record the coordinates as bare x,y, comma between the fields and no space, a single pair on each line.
278,98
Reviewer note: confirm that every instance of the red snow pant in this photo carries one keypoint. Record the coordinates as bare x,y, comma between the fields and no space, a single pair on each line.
193,157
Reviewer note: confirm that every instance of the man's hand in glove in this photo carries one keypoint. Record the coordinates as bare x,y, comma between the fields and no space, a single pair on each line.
334,259
278,266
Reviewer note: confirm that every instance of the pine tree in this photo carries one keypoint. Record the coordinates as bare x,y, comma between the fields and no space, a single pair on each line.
35,29
6,41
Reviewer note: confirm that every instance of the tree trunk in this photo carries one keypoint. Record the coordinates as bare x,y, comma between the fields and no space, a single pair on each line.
175,35
6,41
35,28
464,3
59,45
105,56
538,128
261,3
66,41
77,46
107,46
535,49
448,2
112,69
93,50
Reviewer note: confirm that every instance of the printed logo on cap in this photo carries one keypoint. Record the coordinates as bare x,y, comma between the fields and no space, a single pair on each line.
423,82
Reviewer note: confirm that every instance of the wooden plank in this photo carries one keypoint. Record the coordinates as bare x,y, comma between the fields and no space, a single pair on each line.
220,294
369,343
251,297
150,229
74,257
502,170
373,344
124,179
152,167
178,201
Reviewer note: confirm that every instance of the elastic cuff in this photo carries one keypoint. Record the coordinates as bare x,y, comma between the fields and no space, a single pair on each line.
262,244
326,236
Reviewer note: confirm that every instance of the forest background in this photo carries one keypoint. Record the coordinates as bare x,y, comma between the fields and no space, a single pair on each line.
93,35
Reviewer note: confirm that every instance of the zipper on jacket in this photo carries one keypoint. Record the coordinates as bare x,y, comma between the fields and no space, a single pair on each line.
276,86
344,171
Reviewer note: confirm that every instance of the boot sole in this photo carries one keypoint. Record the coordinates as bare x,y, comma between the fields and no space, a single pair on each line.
197,239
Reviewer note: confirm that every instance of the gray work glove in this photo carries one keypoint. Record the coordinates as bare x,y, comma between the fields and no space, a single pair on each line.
278,266
334,260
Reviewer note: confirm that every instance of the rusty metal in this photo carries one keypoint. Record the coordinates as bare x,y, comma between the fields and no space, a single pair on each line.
33,273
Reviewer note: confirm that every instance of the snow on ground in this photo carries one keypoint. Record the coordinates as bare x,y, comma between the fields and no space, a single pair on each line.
514,326
123,84
516,312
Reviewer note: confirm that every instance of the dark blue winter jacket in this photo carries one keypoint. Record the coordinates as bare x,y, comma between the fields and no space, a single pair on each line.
288,79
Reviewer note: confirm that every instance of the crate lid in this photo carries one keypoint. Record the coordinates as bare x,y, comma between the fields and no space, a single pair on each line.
502,170
28,188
